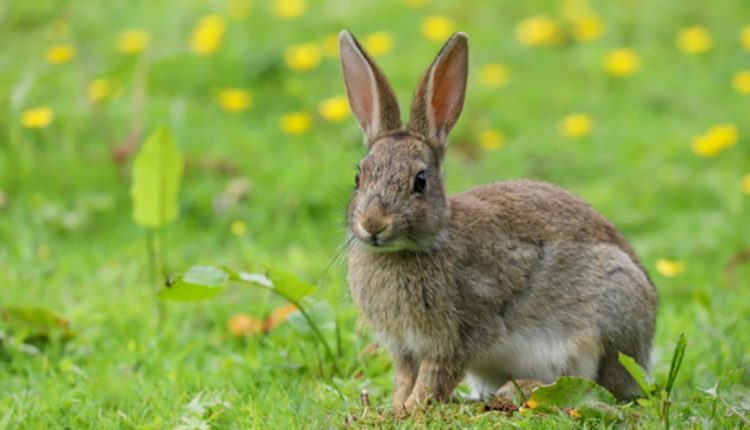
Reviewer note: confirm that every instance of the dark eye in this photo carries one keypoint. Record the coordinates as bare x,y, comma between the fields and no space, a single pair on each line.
356,181
420,183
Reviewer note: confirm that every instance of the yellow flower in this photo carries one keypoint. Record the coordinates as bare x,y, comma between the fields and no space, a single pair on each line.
746,184
717,138
296,123
239,9
576,125
587,28
334,109
37,118
378,43
491,140
60,54
303,57
745,37
538,30
415,4
288,9
494,75
622,62
330,45
99,89
234,100
238,228
438,28
694,40
531,404
741,82
669,268
208,34
133,41
574,413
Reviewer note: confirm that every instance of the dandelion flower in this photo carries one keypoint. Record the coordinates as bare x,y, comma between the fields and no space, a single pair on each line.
242,325
296,123
538,30
531,404
208,34
491,140
334,109
234,100
330,45
378,43
741,82
288,9
37,117
238,228
622,62
239,9
437,28
303,57
694,40
494,75
60,54
745,37
133,41
746,184
576,125
99,89
717,138
669,268
587,28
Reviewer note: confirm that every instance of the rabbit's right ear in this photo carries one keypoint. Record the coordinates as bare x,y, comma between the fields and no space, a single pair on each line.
371,98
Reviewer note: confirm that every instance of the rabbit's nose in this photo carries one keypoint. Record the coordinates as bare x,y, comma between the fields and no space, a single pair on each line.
372,226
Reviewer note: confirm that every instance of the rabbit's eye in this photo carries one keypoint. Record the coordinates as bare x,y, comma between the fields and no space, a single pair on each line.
420,183
356,181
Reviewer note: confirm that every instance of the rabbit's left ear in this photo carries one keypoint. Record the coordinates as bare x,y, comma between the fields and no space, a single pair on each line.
439,98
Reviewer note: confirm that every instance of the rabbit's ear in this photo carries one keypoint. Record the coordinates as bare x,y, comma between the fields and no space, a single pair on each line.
370,96
440,95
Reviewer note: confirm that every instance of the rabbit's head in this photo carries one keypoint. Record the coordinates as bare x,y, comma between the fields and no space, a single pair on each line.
400,202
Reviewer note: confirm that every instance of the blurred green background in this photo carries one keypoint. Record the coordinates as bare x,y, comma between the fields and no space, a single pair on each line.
640,107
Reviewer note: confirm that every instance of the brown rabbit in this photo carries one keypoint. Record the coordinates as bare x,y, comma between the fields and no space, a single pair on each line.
516,278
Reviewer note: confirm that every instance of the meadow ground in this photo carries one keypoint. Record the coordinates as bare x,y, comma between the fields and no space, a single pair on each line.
655,136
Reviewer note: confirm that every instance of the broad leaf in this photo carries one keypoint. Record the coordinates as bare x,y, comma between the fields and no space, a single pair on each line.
637,372
198,283
157,171
570,392
289,285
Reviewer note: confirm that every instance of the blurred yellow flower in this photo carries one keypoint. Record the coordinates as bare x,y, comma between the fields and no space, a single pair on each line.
745,37
288,9
239,9
378,43
622,62
330,45
587,28
576,125
415,4
296,123
60,54
494,75
491,140
717,138
741,82
746,184
99,89
531,404
539,30
334,109
437,27
234,100
669,268
133,41
208,34
693,40
303,57
37,117
238,228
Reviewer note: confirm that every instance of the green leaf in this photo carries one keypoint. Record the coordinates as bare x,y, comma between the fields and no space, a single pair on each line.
157,171
198,283
570,392
284,283
674,368
34,323
637,372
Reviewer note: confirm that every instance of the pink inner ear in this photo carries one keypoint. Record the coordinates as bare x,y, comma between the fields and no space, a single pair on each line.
359,86
448,86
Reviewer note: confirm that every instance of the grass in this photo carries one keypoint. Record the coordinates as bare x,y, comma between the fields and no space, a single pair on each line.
68,243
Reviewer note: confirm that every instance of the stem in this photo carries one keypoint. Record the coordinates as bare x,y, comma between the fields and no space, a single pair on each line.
153,275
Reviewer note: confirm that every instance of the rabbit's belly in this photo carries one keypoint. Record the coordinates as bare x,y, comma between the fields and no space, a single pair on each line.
533,354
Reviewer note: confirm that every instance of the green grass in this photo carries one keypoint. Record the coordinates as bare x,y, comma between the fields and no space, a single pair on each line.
68,243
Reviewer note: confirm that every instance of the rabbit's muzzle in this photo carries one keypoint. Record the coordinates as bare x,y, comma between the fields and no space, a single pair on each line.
373,226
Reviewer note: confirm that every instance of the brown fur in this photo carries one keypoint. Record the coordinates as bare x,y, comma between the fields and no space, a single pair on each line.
456,286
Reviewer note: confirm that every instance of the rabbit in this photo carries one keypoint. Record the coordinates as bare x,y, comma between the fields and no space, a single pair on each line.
515,279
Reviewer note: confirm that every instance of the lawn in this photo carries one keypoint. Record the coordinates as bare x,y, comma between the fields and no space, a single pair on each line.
639,107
